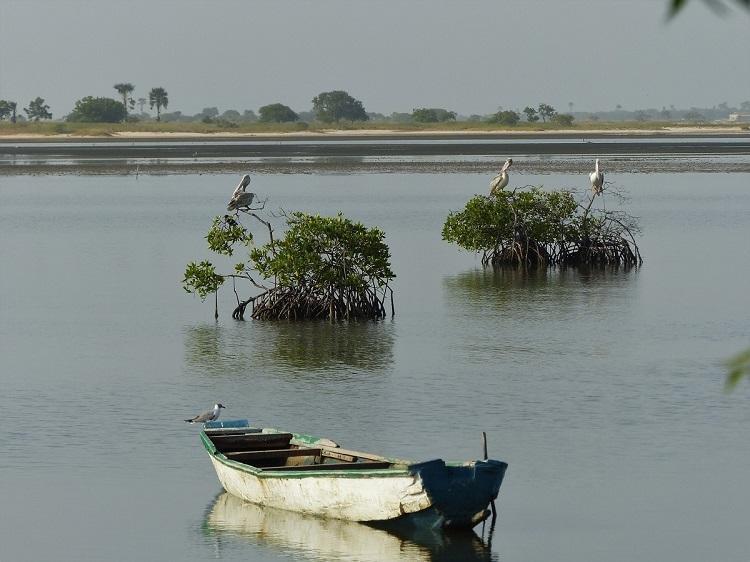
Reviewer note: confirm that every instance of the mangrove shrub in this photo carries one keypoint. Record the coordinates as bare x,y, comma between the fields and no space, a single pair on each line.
321,268
533,227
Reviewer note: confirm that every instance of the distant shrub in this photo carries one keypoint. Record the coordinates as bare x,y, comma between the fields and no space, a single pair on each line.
98,110
277,113
694,116
338,105
505,118
231,115
562,119
432,115
219,122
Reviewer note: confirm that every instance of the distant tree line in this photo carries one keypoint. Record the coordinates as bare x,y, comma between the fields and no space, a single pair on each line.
501,117
338,106
719,112
327,107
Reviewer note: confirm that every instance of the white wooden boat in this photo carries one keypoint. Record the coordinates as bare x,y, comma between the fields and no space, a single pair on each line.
315,476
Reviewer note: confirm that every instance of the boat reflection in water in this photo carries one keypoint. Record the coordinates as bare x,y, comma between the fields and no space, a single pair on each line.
317,538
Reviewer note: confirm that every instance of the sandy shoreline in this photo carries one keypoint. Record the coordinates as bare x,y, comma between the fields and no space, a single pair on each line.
339,134
692,150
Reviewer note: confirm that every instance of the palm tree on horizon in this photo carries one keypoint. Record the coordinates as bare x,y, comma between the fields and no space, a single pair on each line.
124,89
158,97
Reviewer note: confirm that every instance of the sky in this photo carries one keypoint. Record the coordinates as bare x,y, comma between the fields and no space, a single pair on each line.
469,56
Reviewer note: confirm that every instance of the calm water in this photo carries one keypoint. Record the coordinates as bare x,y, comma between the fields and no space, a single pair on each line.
604,391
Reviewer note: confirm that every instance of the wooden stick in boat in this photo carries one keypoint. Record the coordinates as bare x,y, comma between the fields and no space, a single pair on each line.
356,454
492,502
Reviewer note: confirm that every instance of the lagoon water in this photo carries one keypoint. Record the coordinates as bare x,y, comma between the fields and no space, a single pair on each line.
604,391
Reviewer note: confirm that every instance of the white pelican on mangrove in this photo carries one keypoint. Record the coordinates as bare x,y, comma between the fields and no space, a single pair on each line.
240,198
597,179
501,179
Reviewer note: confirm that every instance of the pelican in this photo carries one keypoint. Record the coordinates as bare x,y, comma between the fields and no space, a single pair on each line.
240,198
597,180
500,180
210,415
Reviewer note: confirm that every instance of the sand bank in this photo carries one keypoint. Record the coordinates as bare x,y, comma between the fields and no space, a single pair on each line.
340,134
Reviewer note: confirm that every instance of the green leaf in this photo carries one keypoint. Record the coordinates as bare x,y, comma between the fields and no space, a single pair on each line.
676,6
225,232
739,367
201,279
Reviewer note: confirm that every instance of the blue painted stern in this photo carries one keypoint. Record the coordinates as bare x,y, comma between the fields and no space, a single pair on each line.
461,494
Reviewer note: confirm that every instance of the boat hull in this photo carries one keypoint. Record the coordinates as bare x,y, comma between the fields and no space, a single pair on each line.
433,493
359,497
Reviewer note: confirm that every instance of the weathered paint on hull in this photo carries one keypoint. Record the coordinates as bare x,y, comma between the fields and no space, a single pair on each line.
370,498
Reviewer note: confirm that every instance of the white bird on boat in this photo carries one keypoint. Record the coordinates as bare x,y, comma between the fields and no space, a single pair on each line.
240,198
597,179
209,415
501,179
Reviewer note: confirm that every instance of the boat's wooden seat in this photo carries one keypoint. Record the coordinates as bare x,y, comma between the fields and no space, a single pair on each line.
232,431
331,466
248,456
227,443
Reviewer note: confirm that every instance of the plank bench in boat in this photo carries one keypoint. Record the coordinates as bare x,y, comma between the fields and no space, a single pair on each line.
245,456
231,442
333,466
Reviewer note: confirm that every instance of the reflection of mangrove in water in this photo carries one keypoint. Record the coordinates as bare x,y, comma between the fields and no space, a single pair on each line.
205,349
510,288
294,345
363,345
330,539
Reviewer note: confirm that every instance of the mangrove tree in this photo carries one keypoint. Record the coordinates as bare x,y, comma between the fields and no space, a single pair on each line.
533,227
321,268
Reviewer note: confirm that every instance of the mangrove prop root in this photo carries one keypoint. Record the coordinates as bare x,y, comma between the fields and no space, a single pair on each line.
526,252
282,303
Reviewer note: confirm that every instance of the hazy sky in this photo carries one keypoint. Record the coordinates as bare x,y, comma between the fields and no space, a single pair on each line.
467,56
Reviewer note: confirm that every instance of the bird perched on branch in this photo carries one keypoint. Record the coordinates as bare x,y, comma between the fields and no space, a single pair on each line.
501,179
240,198
210,415
597,179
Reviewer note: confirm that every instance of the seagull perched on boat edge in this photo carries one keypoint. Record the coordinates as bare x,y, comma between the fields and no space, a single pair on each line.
501,179
241,199
210,415
597,179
